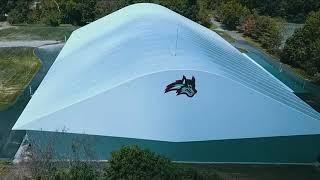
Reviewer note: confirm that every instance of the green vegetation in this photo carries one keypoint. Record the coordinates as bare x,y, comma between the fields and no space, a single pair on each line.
17,68
242,50
76,171
4,168
79,12
17,10
134,163
302,50
129,162
232,13
36,32
265,30
225,36
294,11
291,10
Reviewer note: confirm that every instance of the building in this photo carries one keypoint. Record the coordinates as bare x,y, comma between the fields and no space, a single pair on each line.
146,75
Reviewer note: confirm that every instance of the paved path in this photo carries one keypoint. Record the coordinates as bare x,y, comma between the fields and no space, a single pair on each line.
234,34
28,43
5,25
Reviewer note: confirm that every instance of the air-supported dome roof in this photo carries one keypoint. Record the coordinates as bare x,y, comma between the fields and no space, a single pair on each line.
110,78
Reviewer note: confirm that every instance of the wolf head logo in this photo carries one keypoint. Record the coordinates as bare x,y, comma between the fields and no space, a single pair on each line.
183,86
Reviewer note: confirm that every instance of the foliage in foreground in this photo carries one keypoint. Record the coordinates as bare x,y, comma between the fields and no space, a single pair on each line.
134,163
77,171
129,162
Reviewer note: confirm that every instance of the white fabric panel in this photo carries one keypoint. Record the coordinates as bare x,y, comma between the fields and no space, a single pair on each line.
221,109
128,46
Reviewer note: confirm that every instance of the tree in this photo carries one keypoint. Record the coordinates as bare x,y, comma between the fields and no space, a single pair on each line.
50,12
19,11
131,162
203,15
103,8
267,31
3,9
291,10
248,25
87,9
303,48
232,14
78,12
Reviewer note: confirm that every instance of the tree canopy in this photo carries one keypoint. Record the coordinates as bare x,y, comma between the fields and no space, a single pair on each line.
232,13
81,12
303,48
291,10
267,31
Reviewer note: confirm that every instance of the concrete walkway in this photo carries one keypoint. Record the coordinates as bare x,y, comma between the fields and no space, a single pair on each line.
27,43
5,25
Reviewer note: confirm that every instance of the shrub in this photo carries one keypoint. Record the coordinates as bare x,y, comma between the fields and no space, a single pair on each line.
203,15
52,20
265,30
77,171
248,25
268,32
50,13
131,162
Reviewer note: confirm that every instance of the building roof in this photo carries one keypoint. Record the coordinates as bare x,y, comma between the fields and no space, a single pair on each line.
107,73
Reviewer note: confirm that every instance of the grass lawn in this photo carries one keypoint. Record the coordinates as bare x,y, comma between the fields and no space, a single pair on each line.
36,32
213,26
17,68
4,168
242,50
225,36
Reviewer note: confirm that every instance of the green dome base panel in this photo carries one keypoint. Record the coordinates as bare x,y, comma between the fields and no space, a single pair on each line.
301,149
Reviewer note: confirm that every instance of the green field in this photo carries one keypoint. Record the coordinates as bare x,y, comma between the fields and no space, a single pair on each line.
36,32
17,68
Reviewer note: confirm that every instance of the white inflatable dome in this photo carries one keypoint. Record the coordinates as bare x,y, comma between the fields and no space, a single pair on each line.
146,72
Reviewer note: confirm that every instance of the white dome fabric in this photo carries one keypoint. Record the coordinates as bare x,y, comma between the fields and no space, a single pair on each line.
110,79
